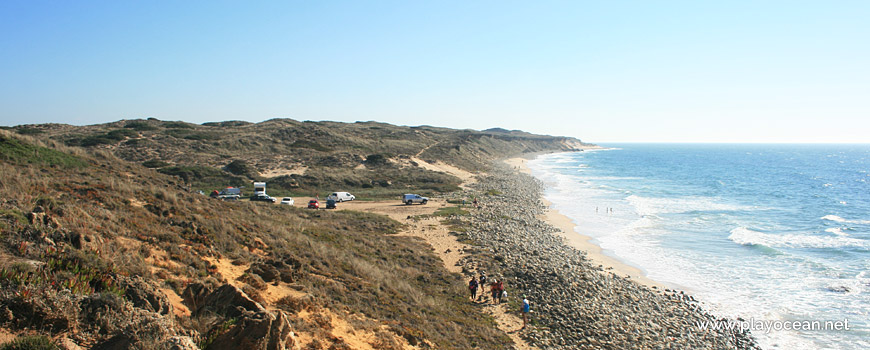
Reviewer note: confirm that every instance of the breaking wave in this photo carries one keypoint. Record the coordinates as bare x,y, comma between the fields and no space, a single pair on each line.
846,221
745,236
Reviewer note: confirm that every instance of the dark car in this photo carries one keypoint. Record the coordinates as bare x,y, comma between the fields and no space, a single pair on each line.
262,198
330,204
313,204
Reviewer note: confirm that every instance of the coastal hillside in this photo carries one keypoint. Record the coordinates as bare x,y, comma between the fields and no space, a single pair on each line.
374,159
103,249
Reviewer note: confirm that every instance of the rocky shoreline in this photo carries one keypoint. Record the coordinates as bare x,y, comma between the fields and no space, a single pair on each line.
575,304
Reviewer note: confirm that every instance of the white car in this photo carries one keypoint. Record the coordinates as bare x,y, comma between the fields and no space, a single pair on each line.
341,196
287,200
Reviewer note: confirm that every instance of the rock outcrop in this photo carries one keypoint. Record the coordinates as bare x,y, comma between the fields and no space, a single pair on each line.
252,326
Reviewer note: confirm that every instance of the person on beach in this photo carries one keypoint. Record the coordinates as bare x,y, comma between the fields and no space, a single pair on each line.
482,285
525,310
497,292
501,292
493,289
472,287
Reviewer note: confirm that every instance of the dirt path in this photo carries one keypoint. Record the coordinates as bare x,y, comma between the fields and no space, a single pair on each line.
445,245
428,228
426,148
510,323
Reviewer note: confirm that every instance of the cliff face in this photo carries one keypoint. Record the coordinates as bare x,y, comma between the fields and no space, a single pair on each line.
100,248
376,159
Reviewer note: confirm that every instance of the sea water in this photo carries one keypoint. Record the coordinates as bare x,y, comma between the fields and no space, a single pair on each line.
767,233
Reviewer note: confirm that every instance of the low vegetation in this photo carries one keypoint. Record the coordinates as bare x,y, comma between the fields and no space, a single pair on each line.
372,160
78,226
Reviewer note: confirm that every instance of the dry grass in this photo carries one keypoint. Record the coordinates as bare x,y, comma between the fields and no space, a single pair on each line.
207,156
345,260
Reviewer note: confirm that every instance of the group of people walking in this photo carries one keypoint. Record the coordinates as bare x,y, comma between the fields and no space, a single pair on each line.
496,290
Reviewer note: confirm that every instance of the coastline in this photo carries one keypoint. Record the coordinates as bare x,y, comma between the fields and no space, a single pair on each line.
576,302
570,231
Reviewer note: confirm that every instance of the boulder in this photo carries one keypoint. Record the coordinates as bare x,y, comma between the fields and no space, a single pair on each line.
261,330
146,296
266,271
180,343
118,342
229,301
67,344
194,295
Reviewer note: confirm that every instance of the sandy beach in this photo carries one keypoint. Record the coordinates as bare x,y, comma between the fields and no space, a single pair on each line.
571,232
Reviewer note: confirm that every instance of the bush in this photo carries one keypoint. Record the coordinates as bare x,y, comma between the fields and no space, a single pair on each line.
240,167
97,140
29,131
377,160
120,134
177,125
31,342
16,151
140,125
310,145
155,163
203,177
229,123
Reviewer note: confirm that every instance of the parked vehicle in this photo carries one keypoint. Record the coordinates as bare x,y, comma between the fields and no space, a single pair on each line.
263,198
341,196
287,201
259,188
414,198
313,204
330,204
231,191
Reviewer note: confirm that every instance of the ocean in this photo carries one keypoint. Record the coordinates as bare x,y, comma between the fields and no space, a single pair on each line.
776,235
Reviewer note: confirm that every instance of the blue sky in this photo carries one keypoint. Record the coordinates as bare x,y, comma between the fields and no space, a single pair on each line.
603,71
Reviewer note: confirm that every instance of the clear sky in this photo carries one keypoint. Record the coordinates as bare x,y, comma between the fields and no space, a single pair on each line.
602,71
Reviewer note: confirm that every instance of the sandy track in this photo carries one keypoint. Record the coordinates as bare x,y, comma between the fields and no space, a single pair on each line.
443,243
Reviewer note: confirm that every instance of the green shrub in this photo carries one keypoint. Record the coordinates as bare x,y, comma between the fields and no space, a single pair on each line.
30,342
17,151
229,123
120,134
140,125
447,211
96,140
29,131
310,145
177,125
377,160
155,163
203,177
133,142
240,167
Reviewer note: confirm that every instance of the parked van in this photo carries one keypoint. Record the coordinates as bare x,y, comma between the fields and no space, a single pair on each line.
341,196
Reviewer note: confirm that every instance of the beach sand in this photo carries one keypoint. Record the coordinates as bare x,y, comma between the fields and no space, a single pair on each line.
571,232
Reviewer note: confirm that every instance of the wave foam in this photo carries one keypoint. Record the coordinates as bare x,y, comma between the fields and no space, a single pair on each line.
846,221
653,206
837,231
745,236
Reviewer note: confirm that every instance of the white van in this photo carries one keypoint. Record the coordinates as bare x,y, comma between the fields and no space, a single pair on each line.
341,196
